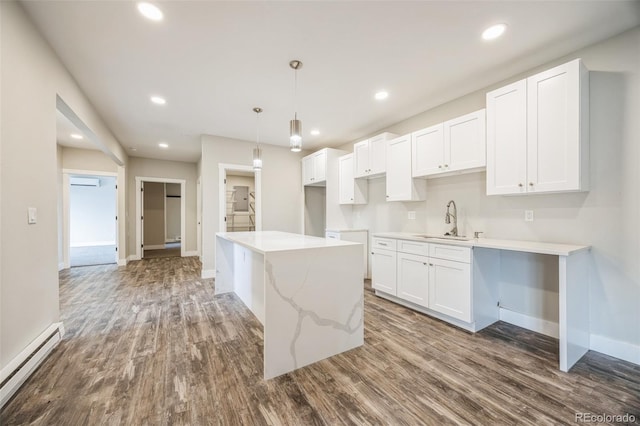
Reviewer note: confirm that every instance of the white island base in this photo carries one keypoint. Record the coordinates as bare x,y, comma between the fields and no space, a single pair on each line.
306,291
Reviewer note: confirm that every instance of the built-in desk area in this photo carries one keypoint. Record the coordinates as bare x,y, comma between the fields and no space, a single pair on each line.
306,291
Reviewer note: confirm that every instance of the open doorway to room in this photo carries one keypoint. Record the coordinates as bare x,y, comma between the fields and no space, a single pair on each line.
161,212
240,198
92,220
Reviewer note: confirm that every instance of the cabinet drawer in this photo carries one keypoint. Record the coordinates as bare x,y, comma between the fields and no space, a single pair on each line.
413,247
449,252
384,243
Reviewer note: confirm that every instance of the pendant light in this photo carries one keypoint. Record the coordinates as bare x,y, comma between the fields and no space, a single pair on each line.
257,151
295,125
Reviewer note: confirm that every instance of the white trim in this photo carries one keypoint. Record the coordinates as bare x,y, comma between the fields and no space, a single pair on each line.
31,356
191,253
208,273
93,243
548,328
123,262
155,247
66,224
132,257
89,172
615,348
222,196
60,266
183,210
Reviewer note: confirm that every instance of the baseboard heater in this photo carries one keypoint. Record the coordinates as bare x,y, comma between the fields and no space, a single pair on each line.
22,366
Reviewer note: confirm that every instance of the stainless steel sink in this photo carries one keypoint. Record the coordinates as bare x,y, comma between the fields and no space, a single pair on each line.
446,237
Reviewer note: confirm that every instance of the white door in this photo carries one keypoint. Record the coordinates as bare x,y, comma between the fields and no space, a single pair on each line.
307,170
450,288
427,147
465,142
346,183
413,278
553,140
399,179
507,139
142,219
378,154
383,271
361,158
320,166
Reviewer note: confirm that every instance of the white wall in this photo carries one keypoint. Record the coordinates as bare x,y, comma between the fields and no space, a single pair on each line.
92,213
281,188
31,78
87,159
162,169
606,217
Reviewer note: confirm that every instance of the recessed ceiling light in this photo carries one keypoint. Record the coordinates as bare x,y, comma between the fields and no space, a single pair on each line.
314,132
76,136
381,95
494,31
133,148
163,145
150,11
158,100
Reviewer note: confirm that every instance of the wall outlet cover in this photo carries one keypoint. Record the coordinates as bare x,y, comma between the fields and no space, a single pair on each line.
411,215
528,215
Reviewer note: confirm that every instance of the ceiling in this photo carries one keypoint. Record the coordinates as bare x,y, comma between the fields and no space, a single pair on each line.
65,128
214,61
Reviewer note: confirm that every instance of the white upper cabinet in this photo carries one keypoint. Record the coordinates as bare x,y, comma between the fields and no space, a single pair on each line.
538,133
401,186
351,191
453,146
370,156
314,168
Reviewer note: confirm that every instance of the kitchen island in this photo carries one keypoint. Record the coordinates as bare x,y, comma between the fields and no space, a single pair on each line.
306,291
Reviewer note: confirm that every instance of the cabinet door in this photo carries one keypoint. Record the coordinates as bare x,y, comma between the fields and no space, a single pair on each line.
383,271
307,170
413,278
361,158
377,154
553,140
465,144
450,288
320,166
427,146
507,139
399,177
346,181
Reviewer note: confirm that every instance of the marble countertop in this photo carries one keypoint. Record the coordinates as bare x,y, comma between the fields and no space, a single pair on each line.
345,230
272,241
513,245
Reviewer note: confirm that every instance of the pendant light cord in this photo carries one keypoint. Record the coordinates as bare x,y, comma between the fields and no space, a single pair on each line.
258,129
295,94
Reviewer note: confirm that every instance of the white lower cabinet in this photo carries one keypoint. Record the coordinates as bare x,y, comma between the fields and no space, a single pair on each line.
383,270
413,276
450,288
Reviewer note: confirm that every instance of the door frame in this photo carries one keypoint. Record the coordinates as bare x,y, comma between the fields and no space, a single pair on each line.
138,217
223,168
66,214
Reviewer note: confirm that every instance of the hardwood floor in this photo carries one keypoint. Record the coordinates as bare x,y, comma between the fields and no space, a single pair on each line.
151,344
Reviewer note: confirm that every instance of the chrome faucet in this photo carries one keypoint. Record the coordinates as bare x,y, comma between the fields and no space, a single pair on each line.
448,216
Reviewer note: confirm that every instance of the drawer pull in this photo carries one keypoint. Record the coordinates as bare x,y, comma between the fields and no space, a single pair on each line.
383,244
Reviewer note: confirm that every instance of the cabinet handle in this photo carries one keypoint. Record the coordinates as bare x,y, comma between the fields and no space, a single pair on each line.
520,185
530,183
440,166
431,264
446,165
424,263
372,253
383,244
352,199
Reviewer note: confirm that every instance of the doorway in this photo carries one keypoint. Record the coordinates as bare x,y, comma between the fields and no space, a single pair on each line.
160,208
240,199
92,220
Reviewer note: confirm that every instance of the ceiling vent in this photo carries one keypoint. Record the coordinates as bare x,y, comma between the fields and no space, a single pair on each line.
79,181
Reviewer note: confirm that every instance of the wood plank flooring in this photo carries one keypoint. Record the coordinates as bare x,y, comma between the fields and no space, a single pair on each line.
150,344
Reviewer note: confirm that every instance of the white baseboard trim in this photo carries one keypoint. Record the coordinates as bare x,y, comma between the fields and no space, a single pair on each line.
94,243
615,348
132,258
190,253
60,266
548,328
123,262
155,247
18,370
208,273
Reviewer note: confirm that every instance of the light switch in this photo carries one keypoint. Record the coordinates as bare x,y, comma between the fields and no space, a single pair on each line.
411,215
528,215
32,215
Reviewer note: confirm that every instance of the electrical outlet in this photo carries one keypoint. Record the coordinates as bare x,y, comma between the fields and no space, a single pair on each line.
411,215
528,215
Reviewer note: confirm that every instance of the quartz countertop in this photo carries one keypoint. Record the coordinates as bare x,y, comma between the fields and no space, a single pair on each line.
513,245
272,241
